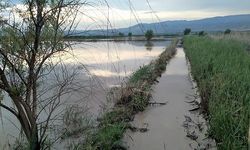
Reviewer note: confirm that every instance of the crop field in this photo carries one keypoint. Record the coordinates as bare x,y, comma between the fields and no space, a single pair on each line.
221,67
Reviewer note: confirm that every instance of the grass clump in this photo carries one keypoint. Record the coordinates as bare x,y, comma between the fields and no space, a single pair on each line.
134,98
108,137
221,68
141,74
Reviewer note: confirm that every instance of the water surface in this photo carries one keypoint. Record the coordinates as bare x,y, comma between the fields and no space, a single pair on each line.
100,66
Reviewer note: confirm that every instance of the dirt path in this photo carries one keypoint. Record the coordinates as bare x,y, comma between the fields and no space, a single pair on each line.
172,126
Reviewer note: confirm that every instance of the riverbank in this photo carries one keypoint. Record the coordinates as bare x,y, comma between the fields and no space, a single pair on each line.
221,69
134,98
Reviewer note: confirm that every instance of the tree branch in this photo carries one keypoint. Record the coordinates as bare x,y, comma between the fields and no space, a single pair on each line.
9,109
13,66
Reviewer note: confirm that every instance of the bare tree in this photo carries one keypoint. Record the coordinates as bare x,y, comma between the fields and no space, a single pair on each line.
27,47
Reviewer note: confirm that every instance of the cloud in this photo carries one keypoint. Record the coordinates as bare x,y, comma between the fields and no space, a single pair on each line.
118,14
184,5
117,18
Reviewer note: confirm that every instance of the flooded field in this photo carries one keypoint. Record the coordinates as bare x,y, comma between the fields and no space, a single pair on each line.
100,66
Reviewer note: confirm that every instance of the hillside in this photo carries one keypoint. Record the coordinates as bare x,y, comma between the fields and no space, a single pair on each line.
235,22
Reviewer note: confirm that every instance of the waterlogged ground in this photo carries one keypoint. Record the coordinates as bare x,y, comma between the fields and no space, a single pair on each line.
100,66
175,125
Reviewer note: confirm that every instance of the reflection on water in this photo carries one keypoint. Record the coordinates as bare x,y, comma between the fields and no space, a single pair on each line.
112,61
149,45
107,63
106,73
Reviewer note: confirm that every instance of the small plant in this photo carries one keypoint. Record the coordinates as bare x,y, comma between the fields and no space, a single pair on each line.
149,34
140,74
108,137
76,120
227,31
187,31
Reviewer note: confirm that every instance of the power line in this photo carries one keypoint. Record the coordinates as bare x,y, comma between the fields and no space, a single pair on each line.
138,20
157,17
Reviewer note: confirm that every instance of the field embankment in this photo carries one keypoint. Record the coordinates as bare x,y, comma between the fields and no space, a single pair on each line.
221,67
134,97
117,38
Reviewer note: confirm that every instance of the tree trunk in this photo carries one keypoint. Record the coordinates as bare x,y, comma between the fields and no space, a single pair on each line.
34,141
28,122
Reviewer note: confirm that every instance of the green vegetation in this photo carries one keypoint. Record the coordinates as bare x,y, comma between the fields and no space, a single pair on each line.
130,34
221,69
134,98
201,33
115,37
187,31
108,137
121,34
227,31
27,46
149,34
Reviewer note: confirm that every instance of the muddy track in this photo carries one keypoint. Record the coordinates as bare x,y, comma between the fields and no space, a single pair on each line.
176,125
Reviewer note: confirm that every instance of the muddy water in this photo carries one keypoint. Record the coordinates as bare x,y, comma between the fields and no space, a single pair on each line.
171,126
100,66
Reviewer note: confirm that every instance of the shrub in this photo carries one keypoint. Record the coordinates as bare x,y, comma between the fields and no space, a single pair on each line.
201,33
149,34
121,34
187,31
130,34
227,31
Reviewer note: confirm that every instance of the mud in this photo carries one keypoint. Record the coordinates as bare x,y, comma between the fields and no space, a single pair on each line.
176,125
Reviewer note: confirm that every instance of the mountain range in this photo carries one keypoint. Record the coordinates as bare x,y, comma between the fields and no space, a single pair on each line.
233,22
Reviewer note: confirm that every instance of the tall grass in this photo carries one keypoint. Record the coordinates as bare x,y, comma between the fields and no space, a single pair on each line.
221,68
237,36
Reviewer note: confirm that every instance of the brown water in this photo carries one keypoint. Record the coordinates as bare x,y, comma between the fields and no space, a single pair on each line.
169,125
100,65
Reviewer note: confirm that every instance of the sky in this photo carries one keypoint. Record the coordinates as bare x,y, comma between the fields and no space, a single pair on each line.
119,13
